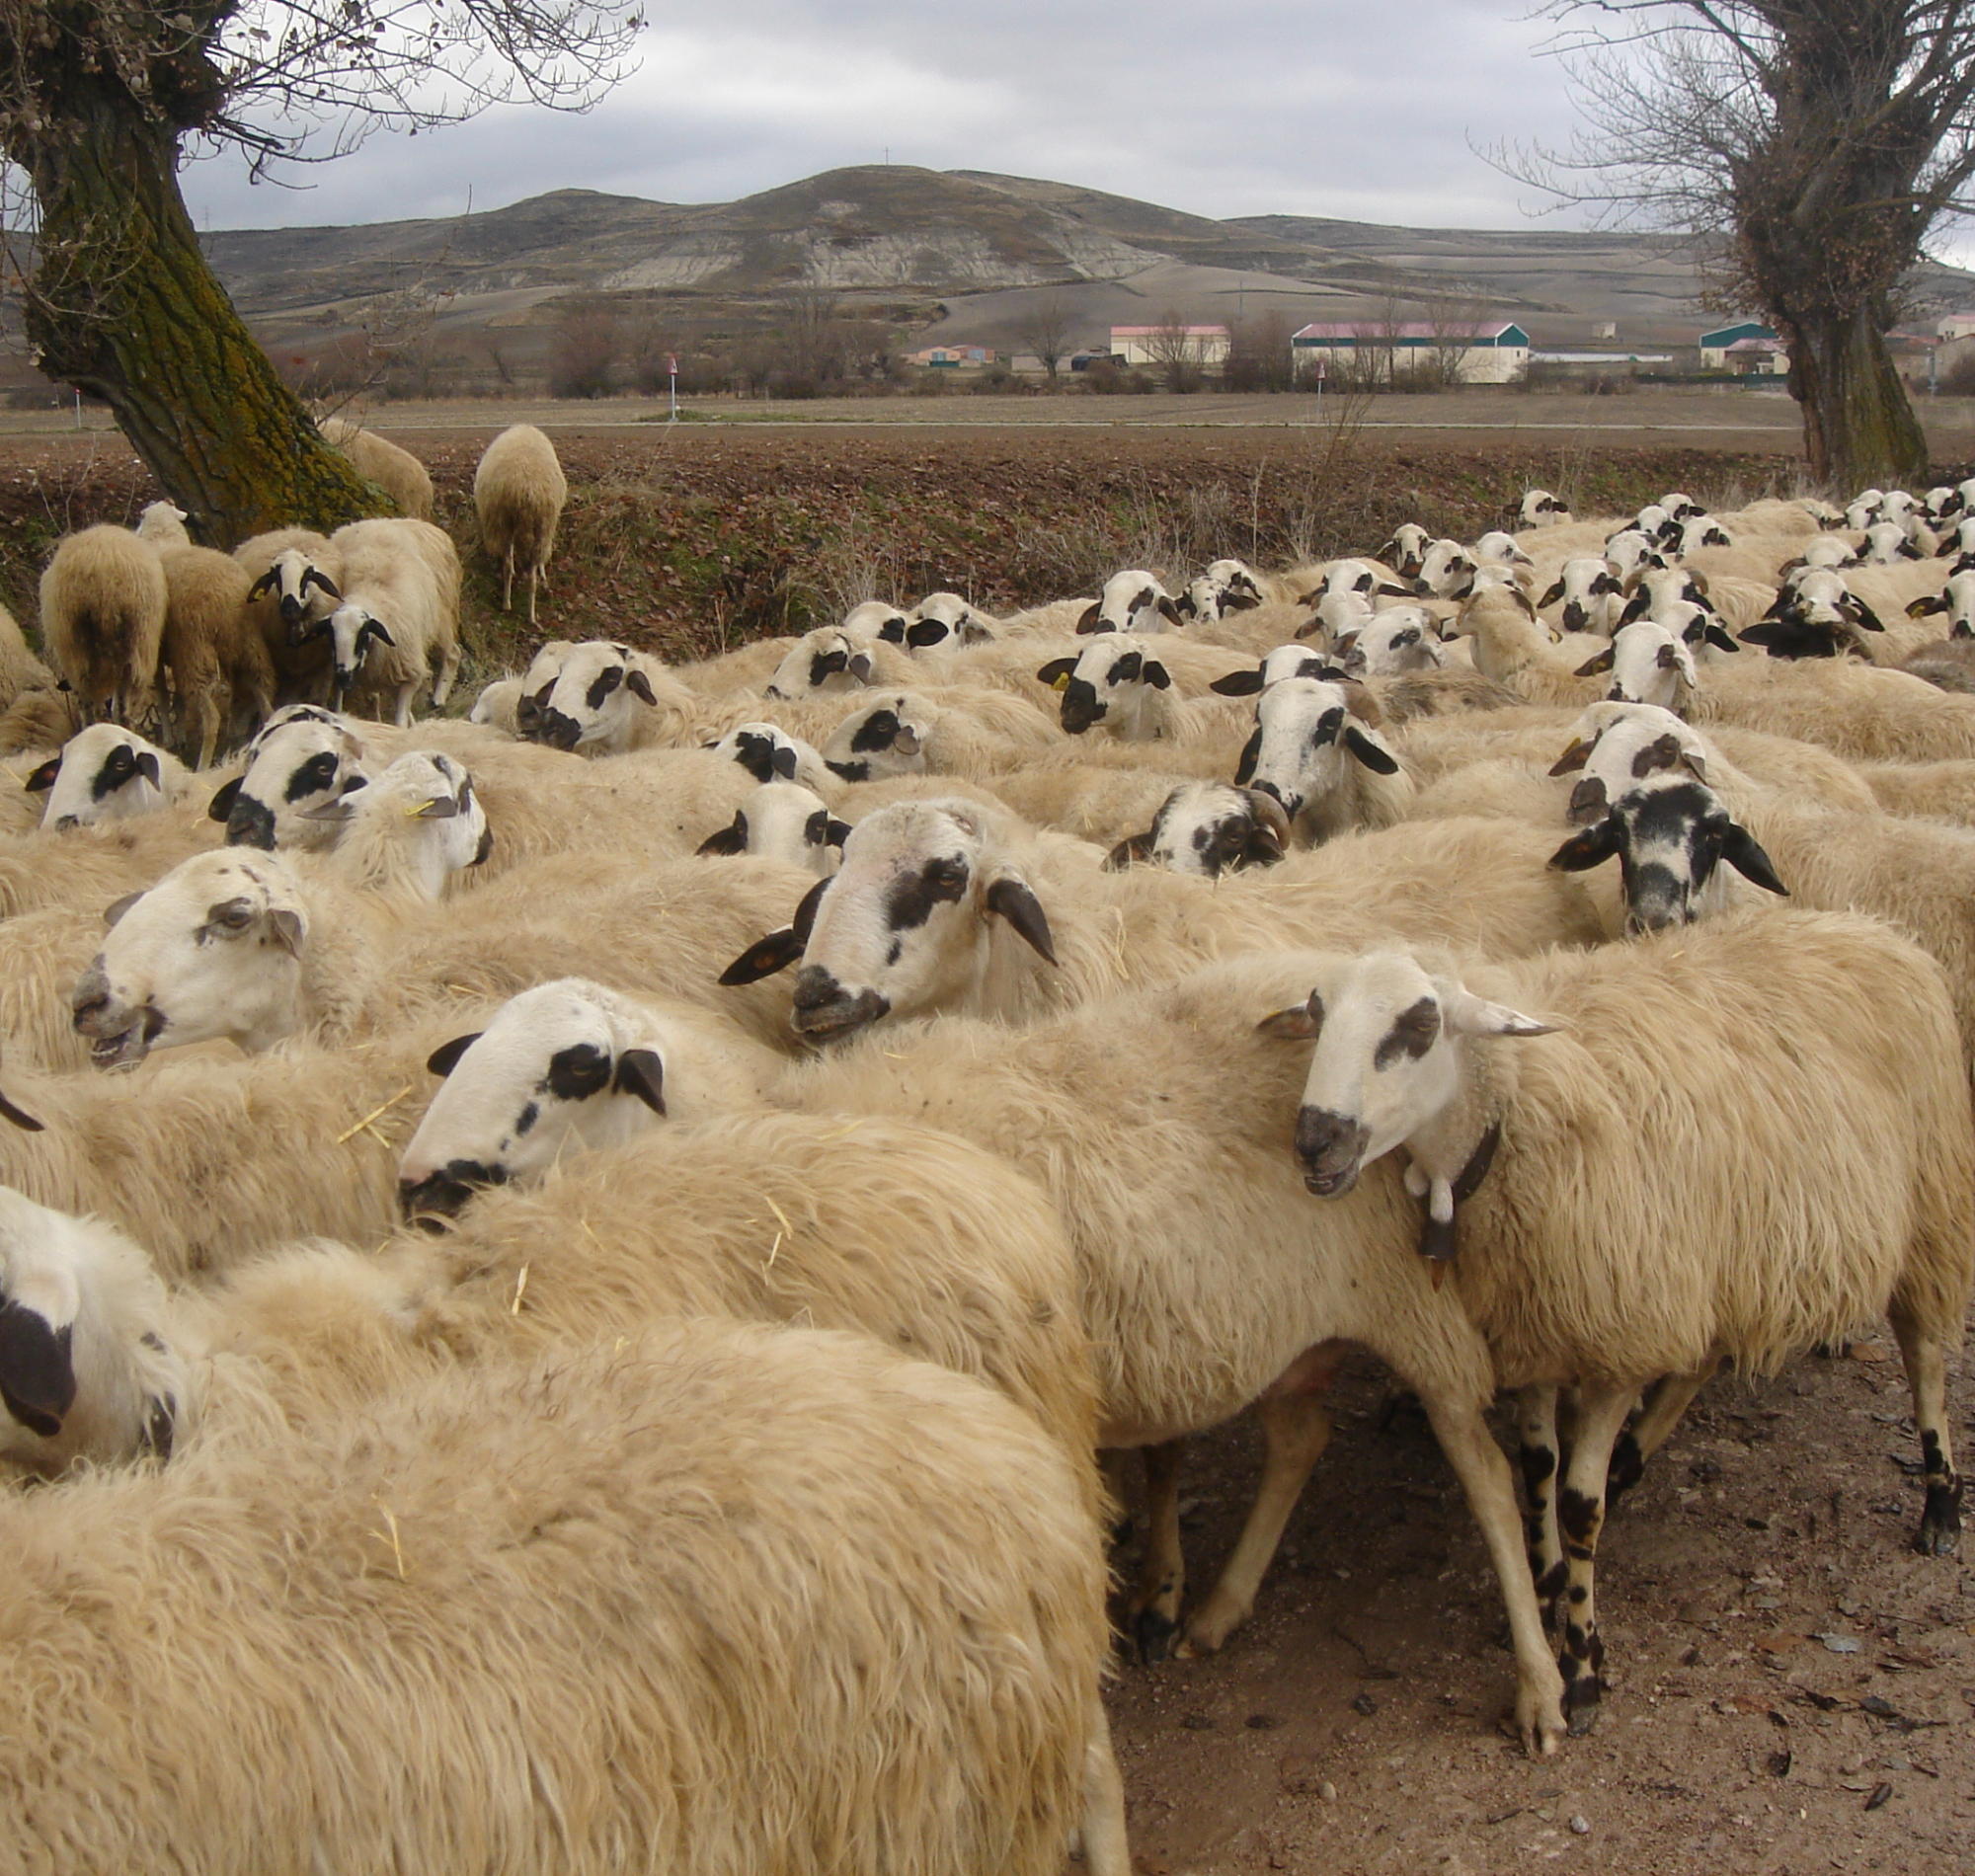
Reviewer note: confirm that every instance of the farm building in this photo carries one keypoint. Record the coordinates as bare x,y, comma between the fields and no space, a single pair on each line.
951,356
1154,344
1739,348
1493,351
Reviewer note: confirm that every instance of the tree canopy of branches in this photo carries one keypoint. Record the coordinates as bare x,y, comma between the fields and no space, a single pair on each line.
1812,145
102,100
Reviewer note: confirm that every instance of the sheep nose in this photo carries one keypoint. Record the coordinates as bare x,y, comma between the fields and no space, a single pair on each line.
91,995
440,1195
824,1008
1330,1146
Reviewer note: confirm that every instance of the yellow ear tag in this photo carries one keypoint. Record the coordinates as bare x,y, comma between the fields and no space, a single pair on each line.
1062,683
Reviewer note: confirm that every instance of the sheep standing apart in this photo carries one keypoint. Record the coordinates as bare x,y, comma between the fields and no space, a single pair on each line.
399,473
398,617
1597,1245
885,1655
163,524
519,489
103,619
220,672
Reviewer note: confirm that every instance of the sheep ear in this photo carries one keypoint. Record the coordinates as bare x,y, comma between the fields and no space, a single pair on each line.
1588,803
25,1122
288,930
640,686
1593,847
147,766
1553,595
265,584
835,833
1742,852
1092,618
1011,899
221,805
783,761
1237,684
1717,636
1669,658
1865,616
1922,608
1245,769
446,1058
1056,673
639,1071
1167,611
315,576
1156,675
732,839
1573,759
763,958
1133,850
1379,762
117,907
44,778
1466,1014
37,1373
925,632
1299,1023
1593,665
1763,631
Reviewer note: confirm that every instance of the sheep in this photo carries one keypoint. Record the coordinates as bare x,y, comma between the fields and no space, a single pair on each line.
19,669
1886,543
949,731
397,615
1228,585
1815,614
1631,550
293,572
1207,828
103,618
587,698
1698,531
944,621
1648,664
1447,571
410,831
827,660
1120,682
1286,660
1596,1246
1956,599
1823,550
1497,549
163,524
1405,551
875,619
1540,509
496,704
784,821
104,773
399,473
1934,791
519,489
885,1654
1947,663
248,947
1512,647
1304,730
1158,1122
1863,510
220,672
1862,711
1592,594
945,906
1390,643
301,758
1131,601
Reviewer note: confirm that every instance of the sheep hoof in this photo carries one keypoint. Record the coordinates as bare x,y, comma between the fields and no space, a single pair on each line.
1154,1632
1940,1521
1580,1705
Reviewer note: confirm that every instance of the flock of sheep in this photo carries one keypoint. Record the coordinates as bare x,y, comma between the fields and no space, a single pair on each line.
579,1331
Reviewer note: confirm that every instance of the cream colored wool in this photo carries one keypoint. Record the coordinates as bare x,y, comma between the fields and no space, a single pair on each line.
1860,711
399,473
368,1648
519,490
103,619
218,672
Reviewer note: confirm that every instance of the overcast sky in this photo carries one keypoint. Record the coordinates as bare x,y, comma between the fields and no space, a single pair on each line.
1220,107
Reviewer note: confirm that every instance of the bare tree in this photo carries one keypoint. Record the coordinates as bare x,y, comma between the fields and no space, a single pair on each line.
99,102
1177,351
1811,146
1045,330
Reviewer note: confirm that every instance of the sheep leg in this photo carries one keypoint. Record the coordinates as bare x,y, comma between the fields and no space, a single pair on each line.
448,671
1538,1448
1939,1532
1106,1846
1666,1402
1155,1607
1478,1462
1295,1428
534,578
401,711
1581,1512
507,581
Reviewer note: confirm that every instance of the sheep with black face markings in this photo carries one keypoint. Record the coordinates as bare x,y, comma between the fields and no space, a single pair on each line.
1597,1248
887,1655
1131,601
292,574
1121,684
105,773
600,698
1316,749
783,821
1208,829
396,625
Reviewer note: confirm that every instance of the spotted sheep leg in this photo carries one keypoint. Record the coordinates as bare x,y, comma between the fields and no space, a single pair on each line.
1666,1402
1540,1449
1580,1512
1940,1534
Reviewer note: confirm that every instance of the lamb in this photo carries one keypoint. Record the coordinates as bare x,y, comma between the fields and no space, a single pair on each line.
220,674
1596,1246
103,618
944,905
587,698
248,947
518,491
399,615
1305,729
87,1370
899,1623
104,773
1207,828
1591,592
293,572
1157,1122
786,823
1131,601
163,524
399,473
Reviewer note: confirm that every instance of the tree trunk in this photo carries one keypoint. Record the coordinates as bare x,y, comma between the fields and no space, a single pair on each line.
1859,430
123,304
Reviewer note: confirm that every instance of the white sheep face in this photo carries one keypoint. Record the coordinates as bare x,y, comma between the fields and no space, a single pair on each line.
1630,549
1131,601
302,757
1447,571
1407,550
1650,666
1390,643
1304,734
213,950
787,822
945,622
303,593
103,773
769,753
564,1068
887,737
821,663
354,633
1108,684
1204,830
1590,590
426,806
1385,1068
1540,508
1227,586
587,700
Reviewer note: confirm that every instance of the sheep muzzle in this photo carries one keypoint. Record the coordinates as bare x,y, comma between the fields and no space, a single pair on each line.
1331,1148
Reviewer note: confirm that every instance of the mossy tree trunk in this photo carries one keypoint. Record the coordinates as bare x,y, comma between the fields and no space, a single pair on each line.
124,305
1858,424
